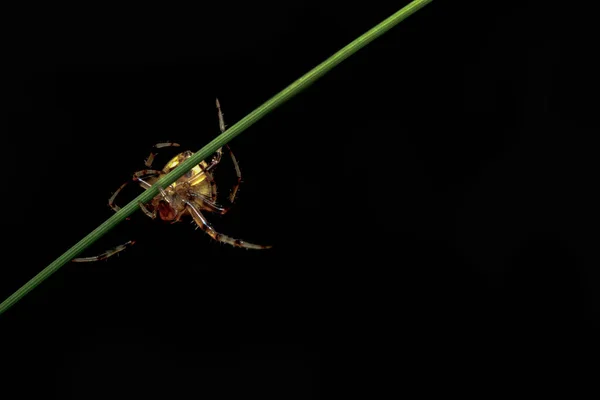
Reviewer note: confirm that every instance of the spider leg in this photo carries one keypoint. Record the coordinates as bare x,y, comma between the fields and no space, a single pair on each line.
144,184
211,205
151,214
236,186
106,254
164,195
166,144
203,223
111,200
136,177
148,162
221,119
144,172
219,153
238,172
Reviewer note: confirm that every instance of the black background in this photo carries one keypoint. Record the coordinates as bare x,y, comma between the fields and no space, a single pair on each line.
430,201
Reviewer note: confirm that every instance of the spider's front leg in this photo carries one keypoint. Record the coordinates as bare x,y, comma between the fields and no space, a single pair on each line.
238,172
217,157
219,153
203,224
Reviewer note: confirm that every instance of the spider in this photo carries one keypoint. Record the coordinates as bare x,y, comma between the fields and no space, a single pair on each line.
193,193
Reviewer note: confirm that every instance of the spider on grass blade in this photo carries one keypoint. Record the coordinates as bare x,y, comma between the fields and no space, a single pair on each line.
194,192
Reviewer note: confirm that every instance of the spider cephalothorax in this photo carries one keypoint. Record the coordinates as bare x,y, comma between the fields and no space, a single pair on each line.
191,194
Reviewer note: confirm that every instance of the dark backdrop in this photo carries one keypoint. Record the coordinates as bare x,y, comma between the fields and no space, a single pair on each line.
430,201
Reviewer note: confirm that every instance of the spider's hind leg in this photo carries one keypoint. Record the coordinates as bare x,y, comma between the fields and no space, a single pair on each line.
203,224
106,254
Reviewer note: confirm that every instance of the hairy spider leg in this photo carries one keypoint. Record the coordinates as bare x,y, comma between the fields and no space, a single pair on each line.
106,254
203,224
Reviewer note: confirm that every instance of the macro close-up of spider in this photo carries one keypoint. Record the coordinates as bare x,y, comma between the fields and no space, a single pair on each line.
191,195
408,183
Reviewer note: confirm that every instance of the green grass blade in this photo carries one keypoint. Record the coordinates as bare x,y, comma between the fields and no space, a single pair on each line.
211,147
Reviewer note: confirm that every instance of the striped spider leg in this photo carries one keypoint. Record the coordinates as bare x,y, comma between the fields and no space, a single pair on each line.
106,254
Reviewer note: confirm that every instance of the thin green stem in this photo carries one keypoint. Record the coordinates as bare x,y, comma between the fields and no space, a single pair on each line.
211,147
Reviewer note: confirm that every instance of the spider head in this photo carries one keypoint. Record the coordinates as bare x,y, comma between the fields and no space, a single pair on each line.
166,212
